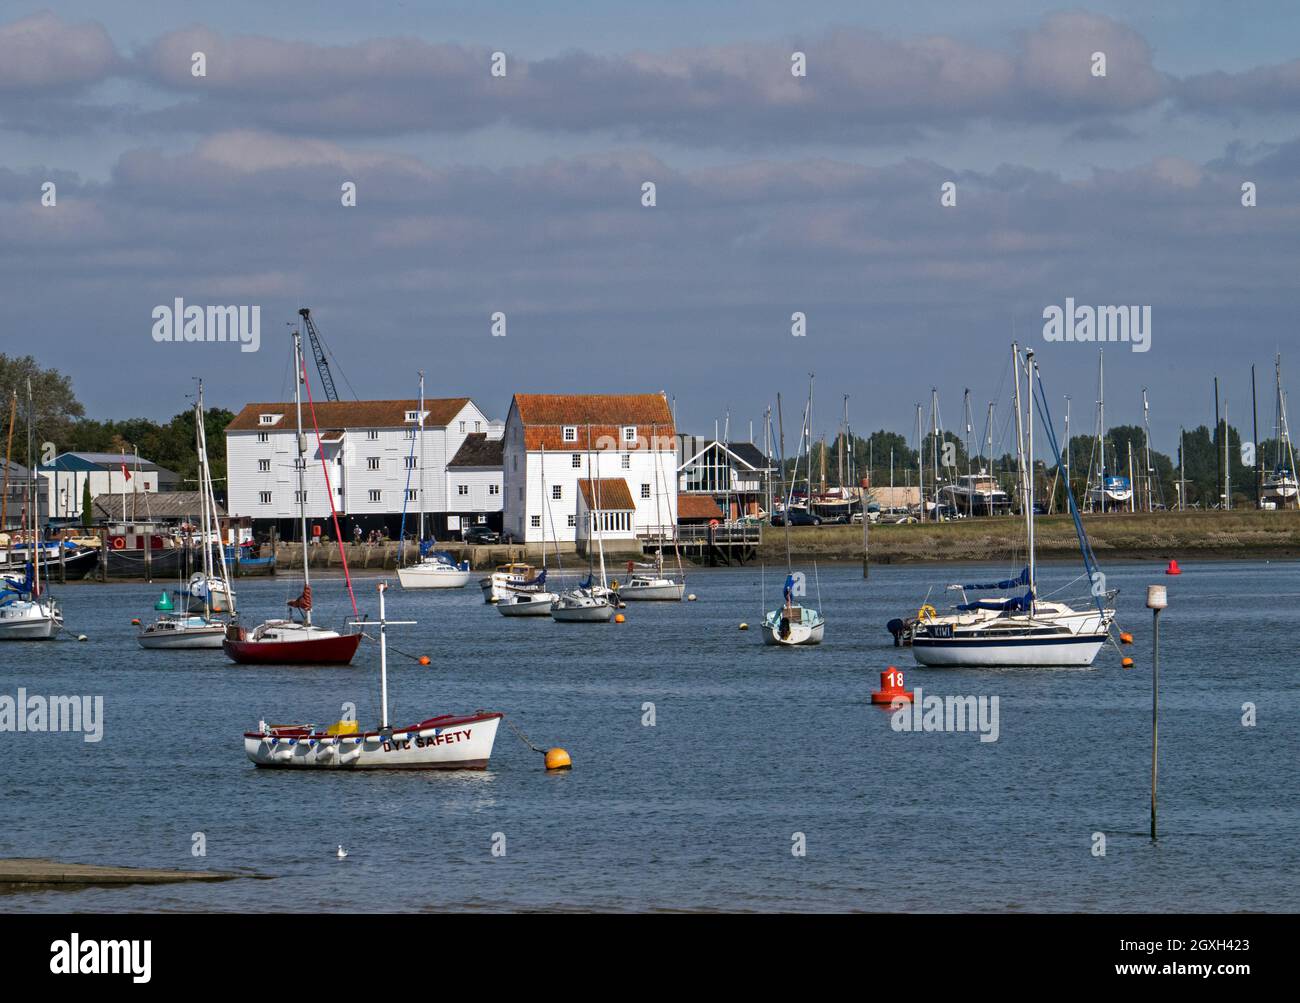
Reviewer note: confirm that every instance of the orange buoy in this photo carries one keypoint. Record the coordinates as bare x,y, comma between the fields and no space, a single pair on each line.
1125,637
558,759
619,618
424,659
1173,568
891,687
135,623
1126,662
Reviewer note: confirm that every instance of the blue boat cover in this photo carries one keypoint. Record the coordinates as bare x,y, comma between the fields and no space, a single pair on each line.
789,588
539,580
1008,583
1016,604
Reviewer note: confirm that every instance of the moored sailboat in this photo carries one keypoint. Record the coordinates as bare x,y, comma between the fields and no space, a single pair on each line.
1017,629
292,641
794,624
447,742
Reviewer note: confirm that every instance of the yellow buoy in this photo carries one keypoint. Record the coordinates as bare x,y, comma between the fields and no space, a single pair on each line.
558,759
744,626
424,659
619,618
1126,663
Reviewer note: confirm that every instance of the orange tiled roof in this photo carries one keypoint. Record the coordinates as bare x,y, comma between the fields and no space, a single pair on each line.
350,414
697,507
614,494
598,418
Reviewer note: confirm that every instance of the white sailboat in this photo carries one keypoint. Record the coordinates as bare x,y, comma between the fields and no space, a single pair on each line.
26,613
448,742
1111,491
531,597
198,628
794,625
1016,630
1281,489
650,581
588,602
436,569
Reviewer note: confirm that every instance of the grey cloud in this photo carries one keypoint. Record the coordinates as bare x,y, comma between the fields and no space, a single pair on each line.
45,54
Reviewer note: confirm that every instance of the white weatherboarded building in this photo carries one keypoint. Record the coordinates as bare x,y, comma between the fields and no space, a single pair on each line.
373,452
565,454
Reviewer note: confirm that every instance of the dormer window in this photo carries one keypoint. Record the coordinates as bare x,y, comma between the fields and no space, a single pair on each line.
412,415
629,433
267,419
570,433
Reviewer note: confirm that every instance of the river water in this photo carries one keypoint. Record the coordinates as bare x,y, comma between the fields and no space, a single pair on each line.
750,746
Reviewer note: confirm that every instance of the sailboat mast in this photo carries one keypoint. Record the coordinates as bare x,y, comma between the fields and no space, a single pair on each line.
1030,366
420,460
785,495
299,375
203,505
1146,450
934,445
34,493
211,500
1020,429
9,445
920,464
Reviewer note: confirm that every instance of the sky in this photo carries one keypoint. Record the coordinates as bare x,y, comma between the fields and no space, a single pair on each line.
522,194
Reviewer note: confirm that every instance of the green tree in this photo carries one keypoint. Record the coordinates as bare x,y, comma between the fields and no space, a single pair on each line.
87,503
55,407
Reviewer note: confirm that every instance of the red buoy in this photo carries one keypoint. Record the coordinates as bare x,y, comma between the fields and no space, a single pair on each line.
891,687
1173,568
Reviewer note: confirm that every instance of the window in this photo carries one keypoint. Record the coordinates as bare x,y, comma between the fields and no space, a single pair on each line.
376,495
535,521
645,490
625,461
573,520
300,497
494,489
263,436
462,489
268,419
570,433
478,426
412,494
462,426
372,462
410,463
480,519
372,433
577,460
412,415
264,497
264,466
410,433
629,433
557,491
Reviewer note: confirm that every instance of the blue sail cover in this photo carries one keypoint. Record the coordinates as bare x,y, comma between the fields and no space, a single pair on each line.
587,583
539,580
11,588
1007,583
789,588
1016,604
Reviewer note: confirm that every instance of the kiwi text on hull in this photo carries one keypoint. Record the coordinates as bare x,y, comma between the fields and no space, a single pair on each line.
181,323
1098,324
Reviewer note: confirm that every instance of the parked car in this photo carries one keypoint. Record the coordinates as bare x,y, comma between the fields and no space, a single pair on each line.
798,517
482,535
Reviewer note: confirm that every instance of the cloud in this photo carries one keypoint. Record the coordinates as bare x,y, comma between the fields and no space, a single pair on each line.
45,54
1273,88
861,86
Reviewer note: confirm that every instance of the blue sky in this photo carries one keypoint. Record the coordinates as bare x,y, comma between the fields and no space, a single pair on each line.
775,195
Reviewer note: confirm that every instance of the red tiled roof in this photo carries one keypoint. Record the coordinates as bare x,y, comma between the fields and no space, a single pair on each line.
350,414
614,494
697,507
545,416
478,451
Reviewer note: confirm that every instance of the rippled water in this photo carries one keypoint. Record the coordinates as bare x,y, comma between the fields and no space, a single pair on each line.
750,745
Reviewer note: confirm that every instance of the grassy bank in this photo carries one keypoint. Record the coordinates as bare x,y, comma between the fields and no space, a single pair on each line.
1156,536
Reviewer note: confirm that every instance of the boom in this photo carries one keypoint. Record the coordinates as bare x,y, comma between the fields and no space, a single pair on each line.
318,353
